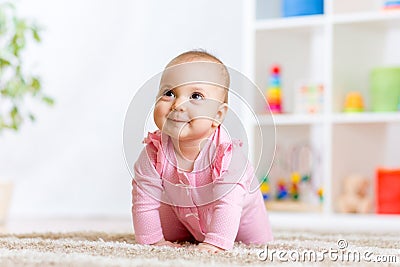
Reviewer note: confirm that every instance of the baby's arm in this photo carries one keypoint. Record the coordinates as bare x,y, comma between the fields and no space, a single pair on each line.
146,192
146,219
233,185
225,219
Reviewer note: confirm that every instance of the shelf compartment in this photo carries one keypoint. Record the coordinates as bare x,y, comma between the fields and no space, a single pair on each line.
357,50
300,55
359,149
366,117
298,149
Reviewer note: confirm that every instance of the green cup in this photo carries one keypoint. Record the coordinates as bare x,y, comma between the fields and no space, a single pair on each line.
385,89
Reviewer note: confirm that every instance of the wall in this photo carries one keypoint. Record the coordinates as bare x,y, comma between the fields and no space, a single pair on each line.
95,54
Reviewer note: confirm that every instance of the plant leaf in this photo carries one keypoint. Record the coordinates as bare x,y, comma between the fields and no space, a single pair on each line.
35,34
15,84
35,85
4,62
32,117
48,100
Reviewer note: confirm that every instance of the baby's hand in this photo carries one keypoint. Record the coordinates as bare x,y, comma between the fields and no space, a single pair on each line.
163,242
208,247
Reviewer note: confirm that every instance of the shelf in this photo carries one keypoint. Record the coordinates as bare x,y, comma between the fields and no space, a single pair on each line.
366,117
367,17
339,222
338,49
294,23
292,206
291,119
290,23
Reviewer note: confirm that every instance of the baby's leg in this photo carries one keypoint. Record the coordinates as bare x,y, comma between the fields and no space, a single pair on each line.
172,227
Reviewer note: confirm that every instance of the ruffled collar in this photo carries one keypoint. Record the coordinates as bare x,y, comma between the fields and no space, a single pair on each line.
215,152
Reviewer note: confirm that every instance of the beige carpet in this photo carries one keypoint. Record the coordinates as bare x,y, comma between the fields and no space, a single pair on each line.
102,249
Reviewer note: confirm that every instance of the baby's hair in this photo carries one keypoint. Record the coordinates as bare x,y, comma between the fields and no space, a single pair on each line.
193,55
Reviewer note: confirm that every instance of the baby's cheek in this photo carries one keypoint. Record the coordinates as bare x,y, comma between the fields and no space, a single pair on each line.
201,123
208,110
159,117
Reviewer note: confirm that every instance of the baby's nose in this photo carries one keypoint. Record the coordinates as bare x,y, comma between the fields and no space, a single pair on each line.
179,103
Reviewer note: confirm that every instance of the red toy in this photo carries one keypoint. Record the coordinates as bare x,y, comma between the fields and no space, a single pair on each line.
388,191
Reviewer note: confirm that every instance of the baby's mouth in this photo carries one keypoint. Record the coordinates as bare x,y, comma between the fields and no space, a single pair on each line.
178,120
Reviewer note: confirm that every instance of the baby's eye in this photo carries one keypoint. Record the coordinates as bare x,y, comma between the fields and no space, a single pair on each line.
169,93
197,96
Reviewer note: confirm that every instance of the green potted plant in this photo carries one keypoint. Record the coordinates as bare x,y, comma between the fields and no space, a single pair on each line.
17,86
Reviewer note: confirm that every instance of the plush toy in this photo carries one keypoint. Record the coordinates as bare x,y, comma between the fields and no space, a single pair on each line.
355,197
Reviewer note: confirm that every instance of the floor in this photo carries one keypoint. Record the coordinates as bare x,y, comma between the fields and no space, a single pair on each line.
87,249
24,225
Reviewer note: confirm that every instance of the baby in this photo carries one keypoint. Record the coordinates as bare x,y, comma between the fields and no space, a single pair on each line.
192,182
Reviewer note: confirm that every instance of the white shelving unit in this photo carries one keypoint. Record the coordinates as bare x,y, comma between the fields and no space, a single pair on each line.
337,49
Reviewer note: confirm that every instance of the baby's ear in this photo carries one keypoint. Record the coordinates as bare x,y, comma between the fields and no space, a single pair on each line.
220,116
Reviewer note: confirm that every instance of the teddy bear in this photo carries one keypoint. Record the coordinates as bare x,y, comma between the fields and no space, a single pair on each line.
355,197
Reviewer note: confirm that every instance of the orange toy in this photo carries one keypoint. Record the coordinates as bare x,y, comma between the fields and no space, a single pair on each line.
354,102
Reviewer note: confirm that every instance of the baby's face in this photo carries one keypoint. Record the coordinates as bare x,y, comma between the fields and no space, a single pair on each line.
191,111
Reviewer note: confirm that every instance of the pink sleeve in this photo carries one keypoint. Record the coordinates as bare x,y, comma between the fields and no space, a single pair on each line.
146,193
225,221
227,211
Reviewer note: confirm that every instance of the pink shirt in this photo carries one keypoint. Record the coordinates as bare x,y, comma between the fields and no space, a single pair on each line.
214,201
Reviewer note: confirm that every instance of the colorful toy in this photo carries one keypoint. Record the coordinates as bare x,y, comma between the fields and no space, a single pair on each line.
282,192
320,193
265,188
354,102
309,99
293,167
274,92
355,197
391,5
294,189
